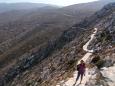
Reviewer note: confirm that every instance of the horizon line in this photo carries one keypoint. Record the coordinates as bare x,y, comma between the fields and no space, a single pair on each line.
44,3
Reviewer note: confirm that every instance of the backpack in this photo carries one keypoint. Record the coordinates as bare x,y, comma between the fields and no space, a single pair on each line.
77,67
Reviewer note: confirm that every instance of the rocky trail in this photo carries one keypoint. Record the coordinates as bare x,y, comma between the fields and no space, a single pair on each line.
89,72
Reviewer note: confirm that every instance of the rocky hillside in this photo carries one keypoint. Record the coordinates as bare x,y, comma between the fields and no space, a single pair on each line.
27,31
56,60
101,64
19,18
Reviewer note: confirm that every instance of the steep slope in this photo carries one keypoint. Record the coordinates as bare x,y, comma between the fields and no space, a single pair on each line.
27,21
101,64
14,22
30,30
60,64
54,60
60,42
72,81
36,30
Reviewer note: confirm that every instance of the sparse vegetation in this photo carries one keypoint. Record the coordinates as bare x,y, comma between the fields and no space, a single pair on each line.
50,38
105,37
98,61
71,64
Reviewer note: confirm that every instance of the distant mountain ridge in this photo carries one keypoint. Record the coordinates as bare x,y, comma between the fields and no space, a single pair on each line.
96,5
4,7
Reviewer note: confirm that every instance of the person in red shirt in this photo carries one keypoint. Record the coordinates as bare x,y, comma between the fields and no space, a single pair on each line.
81,70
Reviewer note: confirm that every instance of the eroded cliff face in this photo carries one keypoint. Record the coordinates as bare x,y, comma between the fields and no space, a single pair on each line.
56,60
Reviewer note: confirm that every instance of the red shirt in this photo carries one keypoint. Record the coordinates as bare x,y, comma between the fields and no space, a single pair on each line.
82,68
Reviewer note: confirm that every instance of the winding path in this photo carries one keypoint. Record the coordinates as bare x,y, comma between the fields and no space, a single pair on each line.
72,80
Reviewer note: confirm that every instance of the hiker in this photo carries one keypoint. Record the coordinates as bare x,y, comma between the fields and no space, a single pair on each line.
81,70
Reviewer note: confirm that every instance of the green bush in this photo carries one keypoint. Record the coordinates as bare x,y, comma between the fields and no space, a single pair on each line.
71,64
105,36
95,59
100,63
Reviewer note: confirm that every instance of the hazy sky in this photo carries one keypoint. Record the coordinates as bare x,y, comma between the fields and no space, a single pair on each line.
56,2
